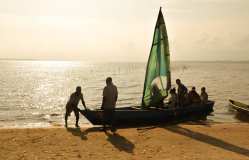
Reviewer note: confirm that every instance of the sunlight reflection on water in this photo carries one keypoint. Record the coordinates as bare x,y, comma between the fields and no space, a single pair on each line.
35,92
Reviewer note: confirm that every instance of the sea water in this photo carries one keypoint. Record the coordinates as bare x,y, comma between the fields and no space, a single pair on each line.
34,93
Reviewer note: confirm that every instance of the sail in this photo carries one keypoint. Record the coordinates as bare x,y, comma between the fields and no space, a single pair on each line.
157,78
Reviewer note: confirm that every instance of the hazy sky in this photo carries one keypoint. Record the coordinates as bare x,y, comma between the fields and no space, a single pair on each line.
122,30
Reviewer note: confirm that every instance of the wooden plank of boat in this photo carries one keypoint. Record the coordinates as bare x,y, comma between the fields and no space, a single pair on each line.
240,107
132,115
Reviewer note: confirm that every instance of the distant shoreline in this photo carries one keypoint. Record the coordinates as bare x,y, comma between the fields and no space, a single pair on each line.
184,61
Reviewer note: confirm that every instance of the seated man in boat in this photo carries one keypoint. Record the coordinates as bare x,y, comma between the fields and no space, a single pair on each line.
182,93
204,95
72,105
173,98
110,96
156,97
193,96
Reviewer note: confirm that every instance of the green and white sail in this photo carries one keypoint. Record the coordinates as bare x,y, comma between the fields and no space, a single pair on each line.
157,78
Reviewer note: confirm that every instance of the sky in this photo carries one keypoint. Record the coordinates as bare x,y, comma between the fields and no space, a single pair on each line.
118,30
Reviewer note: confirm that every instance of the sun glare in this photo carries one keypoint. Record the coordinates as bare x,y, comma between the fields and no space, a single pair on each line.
56,64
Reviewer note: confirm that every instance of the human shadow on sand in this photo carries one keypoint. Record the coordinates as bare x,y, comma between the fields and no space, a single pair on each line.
208,139
120,142
78,132
82,134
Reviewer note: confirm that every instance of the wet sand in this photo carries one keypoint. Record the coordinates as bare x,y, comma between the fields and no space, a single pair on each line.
189,141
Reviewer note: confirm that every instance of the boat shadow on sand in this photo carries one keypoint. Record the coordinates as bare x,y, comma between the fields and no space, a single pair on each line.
117,140
207,139
175,128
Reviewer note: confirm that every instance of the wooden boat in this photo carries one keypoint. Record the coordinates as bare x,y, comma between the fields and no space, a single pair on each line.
239,107
156,88
138,116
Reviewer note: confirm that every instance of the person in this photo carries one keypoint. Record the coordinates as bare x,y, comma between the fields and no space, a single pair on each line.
110,96
204,95
193,96
173,98
72,105
181,92
156,97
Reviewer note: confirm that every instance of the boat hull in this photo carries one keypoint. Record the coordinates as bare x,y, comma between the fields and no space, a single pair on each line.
138,116
239,107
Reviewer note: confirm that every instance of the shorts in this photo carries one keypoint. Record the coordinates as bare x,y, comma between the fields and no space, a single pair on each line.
70,108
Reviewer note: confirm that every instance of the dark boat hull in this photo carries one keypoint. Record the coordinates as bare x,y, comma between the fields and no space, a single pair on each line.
240,107
137,116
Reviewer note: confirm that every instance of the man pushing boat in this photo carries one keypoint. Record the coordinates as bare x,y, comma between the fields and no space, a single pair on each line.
72,105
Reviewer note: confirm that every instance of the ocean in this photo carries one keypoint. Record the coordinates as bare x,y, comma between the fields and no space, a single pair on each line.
34,93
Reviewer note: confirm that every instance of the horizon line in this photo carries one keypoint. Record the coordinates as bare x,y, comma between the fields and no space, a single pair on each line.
81,60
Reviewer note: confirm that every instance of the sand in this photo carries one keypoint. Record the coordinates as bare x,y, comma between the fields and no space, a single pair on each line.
228,141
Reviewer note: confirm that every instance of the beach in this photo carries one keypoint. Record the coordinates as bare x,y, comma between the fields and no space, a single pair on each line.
188,141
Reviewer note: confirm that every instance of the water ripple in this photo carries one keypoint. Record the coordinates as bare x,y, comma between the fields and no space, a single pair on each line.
35,92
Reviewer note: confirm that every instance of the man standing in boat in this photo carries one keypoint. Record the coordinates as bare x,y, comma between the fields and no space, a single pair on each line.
182,92
110,96
204,95
72,105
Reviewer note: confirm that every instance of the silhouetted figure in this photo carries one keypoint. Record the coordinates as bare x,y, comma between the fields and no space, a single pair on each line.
72,105
156,97
182,92
110,96
204,95
193,96
173,98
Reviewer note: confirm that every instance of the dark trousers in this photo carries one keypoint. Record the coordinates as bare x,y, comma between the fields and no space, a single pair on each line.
109,118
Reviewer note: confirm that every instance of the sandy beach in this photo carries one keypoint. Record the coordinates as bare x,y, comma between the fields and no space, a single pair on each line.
173,142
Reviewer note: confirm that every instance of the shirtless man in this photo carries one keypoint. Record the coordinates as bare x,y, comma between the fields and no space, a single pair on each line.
72,105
